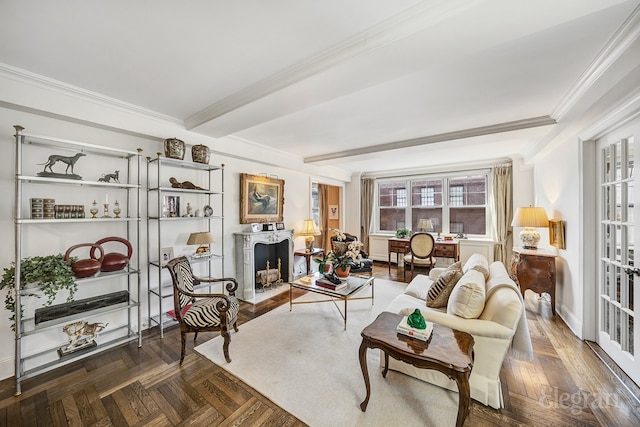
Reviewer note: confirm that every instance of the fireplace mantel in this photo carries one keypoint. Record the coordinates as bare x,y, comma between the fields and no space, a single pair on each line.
245,261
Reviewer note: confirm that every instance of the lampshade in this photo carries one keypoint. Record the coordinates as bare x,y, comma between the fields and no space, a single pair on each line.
530,217
425,224
309,229
200,238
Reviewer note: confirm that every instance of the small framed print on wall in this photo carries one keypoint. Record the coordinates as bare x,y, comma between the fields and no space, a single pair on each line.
556,234
334,213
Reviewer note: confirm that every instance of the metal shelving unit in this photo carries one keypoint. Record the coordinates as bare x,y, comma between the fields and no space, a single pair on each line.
25,326
209,176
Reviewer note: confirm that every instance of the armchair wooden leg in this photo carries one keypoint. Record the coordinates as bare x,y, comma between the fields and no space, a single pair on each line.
225,346
195,337
183,338
235,326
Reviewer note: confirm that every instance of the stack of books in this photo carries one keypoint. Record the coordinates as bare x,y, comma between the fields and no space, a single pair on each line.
421,334
324,283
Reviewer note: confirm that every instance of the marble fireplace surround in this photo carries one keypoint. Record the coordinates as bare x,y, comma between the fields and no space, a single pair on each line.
245,258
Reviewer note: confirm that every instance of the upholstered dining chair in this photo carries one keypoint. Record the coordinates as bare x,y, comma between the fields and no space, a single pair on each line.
421,246
200,312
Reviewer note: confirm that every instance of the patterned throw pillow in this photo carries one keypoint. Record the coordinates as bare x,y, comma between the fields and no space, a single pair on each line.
438,295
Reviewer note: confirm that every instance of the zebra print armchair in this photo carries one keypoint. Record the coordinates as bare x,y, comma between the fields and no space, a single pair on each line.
198,312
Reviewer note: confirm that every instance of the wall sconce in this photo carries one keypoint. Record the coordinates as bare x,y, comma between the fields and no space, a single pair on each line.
309,230
530,218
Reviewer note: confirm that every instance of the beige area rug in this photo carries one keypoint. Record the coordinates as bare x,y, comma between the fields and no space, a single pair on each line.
306,363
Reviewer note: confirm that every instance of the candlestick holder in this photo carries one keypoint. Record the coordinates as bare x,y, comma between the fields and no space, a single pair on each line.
94,209
116,209
106,211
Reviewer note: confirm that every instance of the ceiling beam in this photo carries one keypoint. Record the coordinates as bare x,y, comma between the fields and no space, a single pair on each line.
403,24
431,139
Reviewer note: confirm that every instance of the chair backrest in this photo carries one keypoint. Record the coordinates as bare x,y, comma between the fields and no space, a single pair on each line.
422,245
183,279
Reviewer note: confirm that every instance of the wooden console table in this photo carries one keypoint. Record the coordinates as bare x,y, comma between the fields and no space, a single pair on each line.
308,255
443,249
535,269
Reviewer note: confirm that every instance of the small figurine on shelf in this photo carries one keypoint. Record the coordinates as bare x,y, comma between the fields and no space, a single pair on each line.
189,210
116,209
75,331
94,209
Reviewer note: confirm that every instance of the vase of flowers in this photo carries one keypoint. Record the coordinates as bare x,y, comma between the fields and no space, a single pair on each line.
345,254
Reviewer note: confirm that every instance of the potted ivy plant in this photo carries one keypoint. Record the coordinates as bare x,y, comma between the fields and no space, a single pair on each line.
47,275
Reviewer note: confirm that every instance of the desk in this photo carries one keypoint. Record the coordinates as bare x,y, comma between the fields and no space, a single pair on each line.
443,249
308,255
535,269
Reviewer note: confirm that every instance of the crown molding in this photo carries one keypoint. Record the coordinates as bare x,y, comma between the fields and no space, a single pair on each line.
628,32
449,136
37,80
404,23
627,110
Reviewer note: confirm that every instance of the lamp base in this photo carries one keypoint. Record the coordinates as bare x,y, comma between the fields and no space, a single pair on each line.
530,238
309,243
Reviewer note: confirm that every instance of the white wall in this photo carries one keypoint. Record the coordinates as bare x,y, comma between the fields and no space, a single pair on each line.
58,239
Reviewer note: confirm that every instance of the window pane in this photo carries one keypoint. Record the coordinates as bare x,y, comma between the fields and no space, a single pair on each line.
435,215
468,191
426,192
392,194
467,220
391,219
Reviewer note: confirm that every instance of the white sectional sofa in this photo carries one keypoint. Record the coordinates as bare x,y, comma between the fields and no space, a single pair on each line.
492,330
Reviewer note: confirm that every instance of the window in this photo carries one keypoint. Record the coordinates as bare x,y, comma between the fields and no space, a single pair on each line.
456,195
315,206
453,203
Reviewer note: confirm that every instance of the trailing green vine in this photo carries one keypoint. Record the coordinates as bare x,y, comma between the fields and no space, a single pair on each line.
51,273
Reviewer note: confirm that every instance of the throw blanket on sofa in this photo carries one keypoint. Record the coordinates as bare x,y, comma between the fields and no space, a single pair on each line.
521,347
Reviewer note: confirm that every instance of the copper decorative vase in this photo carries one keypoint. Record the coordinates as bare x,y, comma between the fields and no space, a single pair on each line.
174,148
85,267
114,261
200,154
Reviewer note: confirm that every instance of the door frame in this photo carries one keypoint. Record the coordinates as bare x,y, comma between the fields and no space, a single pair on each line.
622,114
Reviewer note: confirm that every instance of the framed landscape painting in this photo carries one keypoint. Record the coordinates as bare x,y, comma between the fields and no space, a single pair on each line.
261,199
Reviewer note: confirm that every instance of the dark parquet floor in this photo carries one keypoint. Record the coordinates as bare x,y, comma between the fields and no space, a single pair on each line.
567,384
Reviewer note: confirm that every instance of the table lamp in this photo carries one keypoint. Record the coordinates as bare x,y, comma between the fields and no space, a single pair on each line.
202,238
530,218
425,225
309,230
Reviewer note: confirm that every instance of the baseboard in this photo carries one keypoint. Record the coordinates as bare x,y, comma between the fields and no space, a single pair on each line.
570,320
7,368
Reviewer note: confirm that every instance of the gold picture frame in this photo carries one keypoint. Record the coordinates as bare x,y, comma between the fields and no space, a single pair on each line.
261,199
556,234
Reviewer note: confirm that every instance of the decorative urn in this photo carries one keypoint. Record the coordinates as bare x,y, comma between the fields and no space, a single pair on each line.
174,148
200,154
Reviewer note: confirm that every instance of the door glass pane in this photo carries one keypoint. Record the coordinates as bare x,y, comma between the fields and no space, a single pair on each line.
631,336
606,278
618,159
616,296
618,240
606,160
630,160
630,189
618,215
605,315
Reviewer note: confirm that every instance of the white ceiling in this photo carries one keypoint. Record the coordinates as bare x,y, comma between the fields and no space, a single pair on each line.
365,85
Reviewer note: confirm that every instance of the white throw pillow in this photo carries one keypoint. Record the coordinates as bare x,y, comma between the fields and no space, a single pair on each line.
479,263
467,298
419,287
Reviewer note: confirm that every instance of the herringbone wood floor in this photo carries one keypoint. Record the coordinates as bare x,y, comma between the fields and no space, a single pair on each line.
567,384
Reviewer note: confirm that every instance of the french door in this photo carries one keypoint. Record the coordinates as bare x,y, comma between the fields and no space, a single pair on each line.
618,273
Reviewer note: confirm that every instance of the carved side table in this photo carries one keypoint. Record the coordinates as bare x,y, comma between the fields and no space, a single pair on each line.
535,269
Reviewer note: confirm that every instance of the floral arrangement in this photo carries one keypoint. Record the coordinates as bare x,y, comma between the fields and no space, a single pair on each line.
349,257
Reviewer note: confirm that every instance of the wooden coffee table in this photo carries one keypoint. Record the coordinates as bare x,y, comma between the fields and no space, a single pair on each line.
448,351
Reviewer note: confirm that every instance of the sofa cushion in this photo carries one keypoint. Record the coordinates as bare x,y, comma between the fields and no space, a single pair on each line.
439,292
467,297
419,287
479,263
